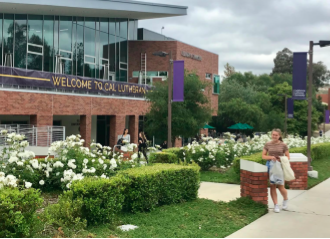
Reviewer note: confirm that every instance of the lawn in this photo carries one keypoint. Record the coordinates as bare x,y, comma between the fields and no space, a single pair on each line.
228,176
200,218
323,167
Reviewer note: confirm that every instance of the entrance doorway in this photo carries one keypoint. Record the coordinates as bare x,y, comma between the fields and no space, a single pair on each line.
103,130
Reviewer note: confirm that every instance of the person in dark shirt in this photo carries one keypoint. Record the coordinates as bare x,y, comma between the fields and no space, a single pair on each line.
143,146
164,145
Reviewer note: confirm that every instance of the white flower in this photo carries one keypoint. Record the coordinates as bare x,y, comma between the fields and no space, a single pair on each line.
103,176
28,185
58,164
58,173
101,161
85,161
20,163
41,182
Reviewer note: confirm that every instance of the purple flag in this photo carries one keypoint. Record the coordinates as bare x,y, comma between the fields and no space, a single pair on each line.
327,115
299,76
178,81
290,108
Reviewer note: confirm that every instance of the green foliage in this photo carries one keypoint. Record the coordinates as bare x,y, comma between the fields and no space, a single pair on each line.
160,184
322,166
67,214
102,199
319,151
17,212
187,117
163,157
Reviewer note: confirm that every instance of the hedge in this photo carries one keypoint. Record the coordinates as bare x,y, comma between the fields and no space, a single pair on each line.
17,211
160,184
135,189
319,151
163,157
102,198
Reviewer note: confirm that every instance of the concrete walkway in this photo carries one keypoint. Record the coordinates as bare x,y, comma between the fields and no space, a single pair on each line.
308,217
228,192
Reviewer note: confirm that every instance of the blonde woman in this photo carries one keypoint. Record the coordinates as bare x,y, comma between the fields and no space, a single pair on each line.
272,151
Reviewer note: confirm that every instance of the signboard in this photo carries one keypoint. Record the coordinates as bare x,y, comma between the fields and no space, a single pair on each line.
290,108
192,56
178,81
21,77
299,76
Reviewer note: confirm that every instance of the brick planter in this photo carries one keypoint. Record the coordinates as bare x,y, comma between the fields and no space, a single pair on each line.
299,164
254,180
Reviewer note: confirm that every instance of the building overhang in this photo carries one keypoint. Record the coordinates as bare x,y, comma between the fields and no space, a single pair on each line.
93,8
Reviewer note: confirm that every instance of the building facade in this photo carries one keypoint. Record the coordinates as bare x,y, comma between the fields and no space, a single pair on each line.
78,64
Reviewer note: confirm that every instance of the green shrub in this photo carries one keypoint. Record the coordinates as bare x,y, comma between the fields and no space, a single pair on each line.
163,157
160,184
102,198
17,211
67,214
319,151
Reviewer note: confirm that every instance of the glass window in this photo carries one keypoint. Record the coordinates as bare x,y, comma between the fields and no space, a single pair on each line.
112,44
8,38
123,50
123,28
163,73
103,47
56,35
90,53
135,30
20,41
35,45
131,28
49,43
65,50
208,76
136,74
74,41
1,16
216,82
79,47
152,73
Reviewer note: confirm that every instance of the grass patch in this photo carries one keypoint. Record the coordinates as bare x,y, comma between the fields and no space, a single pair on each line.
323,168
229,176
198,219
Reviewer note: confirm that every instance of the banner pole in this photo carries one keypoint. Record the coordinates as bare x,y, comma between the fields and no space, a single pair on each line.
286,116
310,97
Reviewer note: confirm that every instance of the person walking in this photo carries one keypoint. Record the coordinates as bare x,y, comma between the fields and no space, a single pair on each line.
272,152
143,145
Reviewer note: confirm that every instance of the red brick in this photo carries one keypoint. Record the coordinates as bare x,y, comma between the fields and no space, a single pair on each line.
263,178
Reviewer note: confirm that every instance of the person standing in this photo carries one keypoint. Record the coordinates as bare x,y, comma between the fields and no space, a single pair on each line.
164,145
271,152
320,132
143,145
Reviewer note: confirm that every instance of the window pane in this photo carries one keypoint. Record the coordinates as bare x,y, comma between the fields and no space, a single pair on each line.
152,73
8,36
104,25
103,46
1,16
66,42
20,41
35,38
56,34
34,62
123,76
80,47
123,28
90,41
135,30
131,27
136,73
49,43
163,73
74,40
112,53
123,50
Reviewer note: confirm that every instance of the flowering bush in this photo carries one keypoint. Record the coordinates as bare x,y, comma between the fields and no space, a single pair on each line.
71,162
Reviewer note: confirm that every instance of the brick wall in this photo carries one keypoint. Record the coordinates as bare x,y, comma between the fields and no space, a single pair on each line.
209,63
301,173
255,185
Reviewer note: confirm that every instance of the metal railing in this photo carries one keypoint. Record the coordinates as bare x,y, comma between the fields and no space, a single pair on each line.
42,136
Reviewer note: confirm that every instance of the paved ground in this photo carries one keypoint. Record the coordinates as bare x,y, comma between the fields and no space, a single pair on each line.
228,192
308,217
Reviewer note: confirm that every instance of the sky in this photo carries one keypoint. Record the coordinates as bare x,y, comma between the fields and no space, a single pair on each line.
248,34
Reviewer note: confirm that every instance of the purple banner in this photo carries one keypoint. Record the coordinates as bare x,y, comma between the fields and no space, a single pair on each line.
290,108
299,76
327,116
47,80
178,81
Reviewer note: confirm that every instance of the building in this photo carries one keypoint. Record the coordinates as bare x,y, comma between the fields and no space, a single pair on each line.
85,65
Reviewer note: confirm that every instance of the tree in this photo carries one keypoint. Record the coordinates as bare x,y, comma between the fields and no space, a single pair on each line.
283,62
187,117
229,70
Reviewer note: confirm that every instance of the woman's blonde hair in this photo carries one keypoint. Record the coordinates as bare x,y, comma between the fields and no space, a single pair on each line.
279,132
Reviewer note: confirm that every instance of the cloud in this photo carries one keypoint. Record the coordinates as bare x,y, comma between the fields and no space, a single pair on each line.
248,34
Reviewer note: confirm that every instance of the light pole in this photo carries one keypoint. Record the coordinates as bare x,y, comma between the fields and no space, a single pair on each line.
310,98
170,88
286,113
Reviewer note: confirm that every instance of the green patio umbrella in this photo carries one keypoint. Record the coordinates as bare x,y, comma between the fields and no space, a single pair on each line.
208,127
248,126
238,126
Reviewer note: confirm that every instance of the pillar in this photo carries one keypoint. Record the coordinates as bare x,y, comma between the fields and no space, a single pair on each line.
117,126
86,129
205,132
254,181
299,165
134,128
178,143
